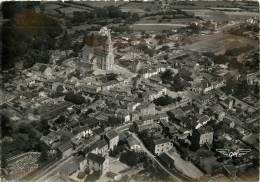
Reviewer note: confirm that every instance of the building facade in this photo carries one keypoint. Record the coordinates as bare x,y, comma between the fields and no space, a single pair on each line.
99,50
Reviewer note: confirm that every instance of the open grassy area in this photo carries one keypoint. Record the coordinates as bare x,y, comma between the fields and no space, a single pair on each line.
219,43
140,8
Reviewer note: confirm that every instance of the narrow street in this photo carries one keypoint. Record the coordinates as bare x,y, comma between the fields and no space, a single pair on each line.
154,158
51,170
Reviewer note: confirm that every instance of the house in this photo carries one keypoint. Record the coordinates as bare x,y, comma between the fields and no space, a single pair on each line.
82,132
65,149
252,78
161,117
133,144
218,112
203,120
155,93
93,89
51,138
147,73
211,82
98,131
147,122
95,162
112,139
97,104
187,109
146,109
161,145
201,136
229,122
132,106
123,115
135,115
100,148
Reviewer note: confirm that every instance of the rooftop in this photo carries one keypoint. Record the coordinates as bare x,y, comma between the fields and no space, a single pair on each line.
111,134
95,158
161,141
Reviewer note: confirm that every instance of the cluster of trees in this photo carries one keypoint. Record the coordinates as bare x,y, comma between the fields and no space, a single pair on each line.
146,139
10,9
27,35
93,176
117,150
6,126
111,76
25,138
82,16
121,28
114,121
167,76
134,128
75,98
238,50
110,12
161,38
241,89
176,81
253,62
230,58
166,100
132,158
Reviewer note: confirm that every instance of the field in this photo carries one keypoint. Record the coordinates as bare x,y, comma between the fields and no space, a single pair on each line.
99,4
156,26
140,8
167,19
157,23
219,43
51,9
69,11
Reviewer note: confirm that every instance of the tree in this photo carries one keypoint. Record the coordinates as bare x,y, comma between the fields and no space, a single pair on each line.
61,119
6,126
93,177
117,150
167,76
113,121
75,98
28,36
43,156
43,127
129,158
111,76
165,48
164,100
134,128
135,17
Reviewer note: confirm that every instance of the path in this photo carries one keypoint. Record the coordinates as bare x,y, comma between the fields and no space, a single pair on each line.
154,158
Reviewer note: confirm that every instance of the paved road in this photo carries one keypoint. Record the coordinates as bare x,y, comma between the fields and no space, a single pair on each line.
51,170
160,24
154,158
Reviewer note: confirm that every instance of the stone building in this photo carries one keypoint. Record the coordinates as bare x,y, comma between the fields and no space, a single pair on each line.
98,49
95,162
202,136
112,139
161,145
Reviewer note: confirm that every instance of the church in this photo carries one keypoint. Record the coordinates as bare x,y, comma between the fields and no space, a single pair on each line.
98,49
